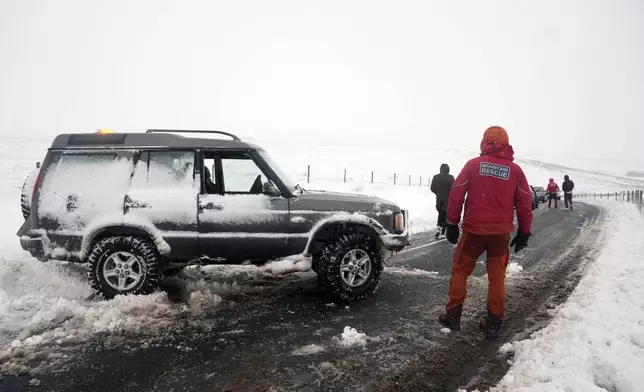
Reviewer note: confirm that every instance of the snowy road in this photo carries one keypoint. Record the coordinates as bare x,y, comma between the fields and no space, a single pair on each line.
289,337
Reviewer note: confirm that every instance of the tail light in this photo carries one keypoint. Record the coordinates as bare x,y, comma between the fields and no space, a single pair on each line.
33,191
399,222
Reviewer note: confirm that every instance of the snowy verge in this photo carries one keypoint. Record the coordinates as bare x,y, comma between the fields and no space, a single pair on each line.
46,310
596,340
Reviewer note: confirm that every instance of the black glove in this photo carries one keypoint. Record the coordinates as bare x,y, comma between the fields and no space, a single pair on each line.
452,233
519,242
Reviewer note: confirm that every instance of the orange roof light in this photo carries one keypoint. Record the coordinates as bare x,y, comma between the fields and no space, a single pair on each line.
104,130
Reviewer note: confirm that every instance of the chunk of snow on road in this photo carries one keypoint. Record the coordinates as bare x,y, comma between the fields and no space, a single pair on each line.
594,341
514,269
506,348
410,271
352,338
310,349
446,331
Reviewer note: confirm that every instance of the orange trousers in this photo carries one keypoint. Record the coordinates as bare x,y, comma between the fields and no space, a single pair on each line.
469,249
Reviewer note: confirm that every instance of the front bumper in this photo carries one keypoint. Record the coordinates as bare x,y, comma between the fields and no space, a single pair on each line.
396,242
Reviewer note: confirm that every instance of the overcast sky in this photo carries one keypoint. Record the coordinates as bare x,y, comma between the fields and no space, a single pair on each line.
565,78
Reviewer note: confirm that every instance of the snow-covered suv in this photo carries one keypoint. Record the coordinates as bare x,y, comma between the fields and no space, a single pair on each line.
138,206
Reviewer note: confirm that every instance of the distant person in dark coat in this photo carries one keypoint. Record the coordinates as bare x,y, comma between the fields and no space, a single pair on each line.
441,185
567,188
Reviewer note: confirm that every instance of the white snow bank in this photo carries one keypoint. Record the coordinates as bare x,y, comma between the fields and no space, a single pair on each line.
352,338
596,340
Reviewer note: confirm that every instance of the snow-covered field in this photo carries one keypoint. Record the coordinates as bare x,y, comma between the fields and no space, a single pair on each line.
596,340
46,307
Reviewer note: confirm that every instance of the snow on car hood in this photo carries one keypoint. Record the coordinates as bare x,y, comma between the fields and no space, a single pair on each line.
318,200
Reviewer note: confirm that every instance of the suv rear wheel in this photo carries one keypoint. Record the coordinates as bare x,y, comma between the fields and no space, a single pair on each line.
351,266
25,193
123,265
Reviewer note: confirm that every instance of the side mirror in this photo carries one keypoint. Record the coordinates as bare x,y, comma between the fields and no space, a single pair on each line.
270,189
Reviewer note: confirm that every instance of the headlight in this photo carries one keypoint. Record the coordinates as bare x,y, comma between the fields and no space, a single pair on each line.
399,222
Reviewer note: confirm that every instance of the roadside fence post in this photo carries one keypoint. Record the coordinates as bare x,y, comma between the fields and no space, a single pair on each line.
410,180
395,175
345,175
308,174
372,176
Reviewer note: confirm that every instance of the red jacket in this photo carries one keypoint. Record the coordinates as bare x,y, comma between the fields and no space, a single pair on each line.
494,186
552,188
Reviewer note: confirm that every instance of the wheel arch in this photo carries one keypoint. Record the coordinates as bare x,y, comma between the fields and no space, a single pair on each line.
106,231
334,226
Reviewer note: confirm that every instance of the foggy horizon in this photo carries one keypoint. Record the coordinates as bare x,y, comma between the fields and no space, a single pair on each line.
563,79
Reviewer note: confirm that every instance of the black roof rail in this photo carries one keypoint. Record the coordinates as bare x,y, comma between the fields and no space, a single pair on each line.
234,137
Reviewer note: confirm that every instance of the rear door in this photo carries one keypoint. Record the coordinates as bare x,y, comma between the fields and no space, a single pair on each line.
163,195
80,189
237,219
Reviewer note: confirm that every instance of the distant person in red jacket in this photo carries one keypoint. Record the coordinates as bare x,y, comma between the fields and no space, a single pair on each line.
553,191
494,186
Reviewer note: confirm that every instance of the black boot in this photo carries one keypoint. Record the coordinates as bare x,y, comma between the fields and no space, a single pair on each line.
491,325
452,318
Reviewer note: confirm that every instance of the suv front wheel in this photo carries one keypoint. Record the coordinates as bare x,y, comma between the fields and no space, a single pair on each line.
123,265
351,266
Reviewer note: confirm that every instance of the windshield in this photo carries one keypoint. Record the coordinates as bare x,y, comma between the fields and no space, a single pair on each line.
538,189
278,171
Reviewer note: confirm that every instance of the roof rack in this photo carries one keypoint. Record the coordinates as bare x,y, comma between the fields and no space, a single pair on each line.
234,137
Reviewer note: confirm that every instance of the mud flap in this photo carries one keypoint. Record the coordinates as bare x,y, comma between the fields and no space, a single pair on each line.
26,226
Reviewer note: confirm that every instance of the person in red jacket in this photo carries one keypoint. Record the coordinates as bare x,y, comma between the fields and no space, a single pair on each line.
494,186
553,191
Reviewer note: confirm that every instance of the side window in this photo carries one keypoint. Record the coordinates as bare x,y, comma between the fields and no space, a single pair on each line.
210,174
242,175
160,169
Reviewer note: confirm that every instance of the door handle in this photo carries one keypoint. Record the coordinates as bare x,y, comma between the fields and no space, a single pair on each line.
211,206
129,203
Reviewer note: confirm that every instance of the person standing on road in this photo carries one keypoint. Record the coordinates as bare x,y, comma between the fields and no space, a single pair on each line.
553,192
440,186
567,188
494,186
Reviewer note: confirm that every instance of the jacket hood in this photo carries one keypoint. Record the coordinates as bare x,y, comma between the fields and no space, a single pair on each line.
504,151
551,180
445,168
566,178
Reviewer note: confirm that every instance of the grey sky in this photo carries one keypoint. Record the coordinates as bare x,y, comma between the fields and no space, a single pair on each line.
564,77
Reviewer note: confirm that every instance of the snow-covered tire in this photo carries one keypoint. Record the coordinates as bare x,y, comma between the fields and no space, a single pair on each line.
337,255
25,193
119,259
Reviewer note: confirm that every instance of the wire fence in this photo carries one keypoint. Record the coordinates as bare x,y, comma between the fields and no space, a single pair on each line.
634,197
372,177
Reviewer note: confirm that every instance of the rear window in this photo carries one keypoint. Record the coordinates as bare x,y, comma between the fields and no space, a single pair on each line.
538,189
